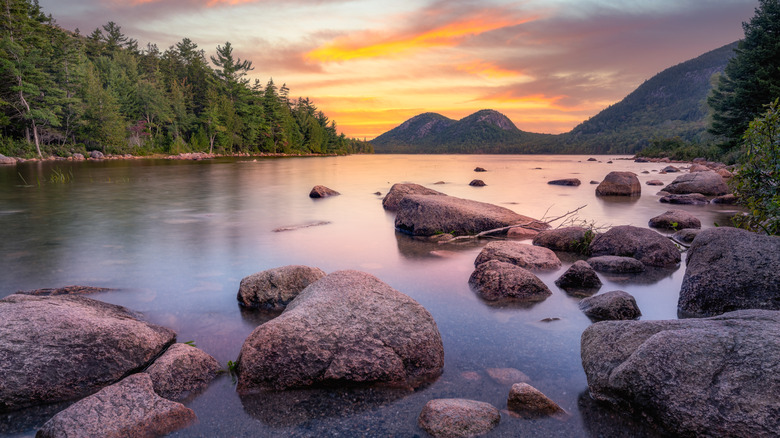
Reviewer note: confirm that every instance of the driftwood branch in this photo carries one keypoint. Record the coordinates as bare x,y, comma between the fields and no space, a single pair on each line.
535,225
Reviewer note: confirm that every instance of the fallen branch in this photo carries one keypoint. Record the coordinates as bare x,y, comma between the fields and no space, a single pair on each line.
536,225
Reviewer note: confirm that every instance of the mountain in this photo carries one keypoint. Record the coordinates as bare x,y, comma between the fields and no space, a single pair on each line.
672,103
486,131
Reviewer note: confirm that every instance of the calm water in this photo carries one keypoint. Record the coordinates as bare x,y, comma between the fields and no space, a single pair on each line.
174,239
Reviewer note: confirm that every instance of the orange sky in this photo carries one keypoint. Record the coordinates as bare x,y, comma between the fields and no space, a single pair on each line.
371,64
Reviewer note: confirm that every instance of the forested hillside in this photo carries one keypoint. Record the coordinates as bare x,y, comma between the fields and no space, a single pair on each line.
63,92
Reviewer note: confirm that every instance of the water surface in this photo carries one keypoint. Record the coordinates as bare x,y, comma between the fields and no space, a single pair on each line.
174,239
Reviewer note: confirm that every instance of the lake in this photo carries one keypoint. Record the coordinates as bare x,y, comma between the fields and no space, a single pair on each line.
173,239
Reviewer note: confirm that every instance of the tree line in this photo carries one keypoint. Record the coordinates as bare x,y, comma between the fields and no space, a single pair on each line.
62,92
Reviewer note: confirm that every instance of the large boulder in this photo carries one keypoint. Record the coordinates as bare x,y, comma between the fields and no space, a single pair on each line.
675,220
65,347
571,239
424,215
619,184
613,305
275,288
397,192
129,408
729,269
6,160
707,183
347,328
520,254
456,418
697,377
498,281
643,244
182,370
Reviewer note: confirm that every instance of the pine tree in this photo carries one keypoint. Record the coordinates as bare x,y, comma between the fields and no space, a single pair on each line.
751,79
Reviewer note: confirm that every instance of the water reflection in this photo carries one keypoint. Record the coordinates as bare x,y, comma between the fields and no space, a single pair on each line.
602,420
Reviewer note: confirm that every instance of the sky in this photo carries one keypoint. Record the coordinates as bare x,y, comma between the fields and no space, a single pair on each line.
372,64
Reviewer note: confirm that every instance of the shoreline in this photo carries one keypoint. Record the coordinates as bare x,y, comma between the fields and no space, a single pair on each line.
184,156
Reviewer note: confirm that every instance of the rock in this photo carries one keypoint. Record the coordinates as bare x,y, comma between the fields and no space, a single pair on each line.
609,162
507,376
698,168
689,199
322,192
521,233
670,169
129,408
346,328
454,418
529,402
613,305
477,183
655,182
65,347
616,264
275,288
498,281
697,377
699,160
592,159
96,155
571,239
479,169
729,269
399,190
707,183
67,290
643,244
686,235
728,199
595,182
181,370
725,174
520,254
78,157
6,160
565,182
580,276
675,220
619,184
641,160
421,215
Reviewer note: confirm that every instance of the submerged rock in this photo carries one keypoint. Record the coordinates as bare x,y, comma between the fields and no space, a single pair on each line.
393,198
616,264
346,328
67,290
619,184
571,239
181,370
507,376
565,182
479,169
322,192
129,408
529,402
696,377
477,183
275,288
675,220
65,347
688,199
520,254
729,199
686,235
643,244
613,305
499,281
729,269
422,215
455,418
706,182
655,182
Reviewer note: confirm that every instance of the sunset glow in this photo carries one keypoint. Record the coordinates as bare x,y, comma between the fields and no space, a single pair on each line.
370,65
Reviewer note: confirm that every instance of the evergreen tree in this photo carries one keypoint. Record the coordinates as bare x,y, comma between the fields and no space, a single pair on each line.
752,78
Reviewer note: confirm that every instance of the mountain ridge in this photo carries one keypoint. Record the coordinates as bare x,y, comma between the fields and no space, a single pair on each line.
672,103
